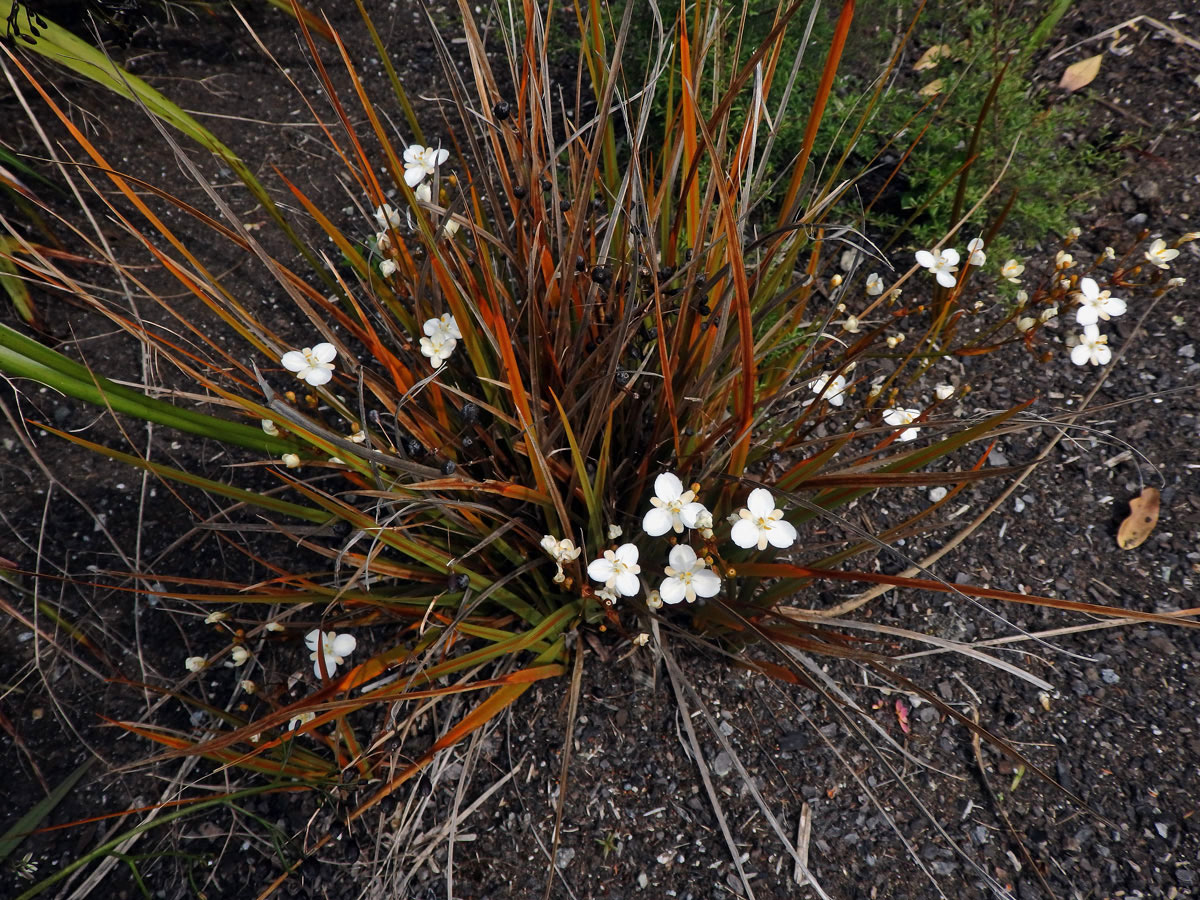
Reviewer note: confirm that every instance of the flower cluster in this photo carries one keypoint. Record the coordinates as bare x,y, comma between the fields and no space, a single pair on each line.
441,337
688,574
563,551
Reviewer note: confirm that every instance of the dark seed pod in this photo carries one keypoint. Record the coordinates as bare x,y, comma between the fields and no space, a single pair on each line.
341,529
501,110
580,263
665,273
598,204
412,446
564,205
623,376
600,275
705,309
467,442
448,467
519,191
458,582
470,413
688,254
546,185
652,332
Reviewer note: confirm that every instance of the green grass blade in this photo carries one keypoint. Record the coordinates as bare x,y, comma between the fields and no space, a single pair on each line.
12,838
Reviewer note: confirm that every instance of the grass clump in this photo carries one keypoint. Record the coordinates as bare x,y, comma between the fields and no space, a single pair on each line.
561,377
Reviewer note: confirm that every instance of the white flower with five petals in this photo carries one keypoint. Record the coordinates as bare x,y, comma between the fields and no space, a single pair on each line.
334,647
422,161
617,570
1096,304
687,577
943,265
312,364
674,507
760,523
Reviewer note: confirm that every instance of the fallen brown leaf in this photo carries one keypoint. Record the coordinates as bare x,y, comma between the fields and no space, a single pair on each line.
1143,516
930,57
1082,73
933,88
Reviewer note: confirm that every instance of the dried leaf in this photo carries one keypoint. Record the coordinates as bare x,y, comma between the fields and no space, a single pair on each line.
931,57
933,88
1143,516
1082,73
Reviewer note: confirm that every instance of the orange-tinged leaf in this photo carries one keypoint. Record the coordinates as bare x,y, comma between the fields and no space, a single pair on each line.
1082,73
1143,516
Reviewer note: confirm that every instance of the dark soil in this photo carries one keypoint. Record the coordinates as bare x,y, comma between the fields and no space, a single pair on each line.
1122,733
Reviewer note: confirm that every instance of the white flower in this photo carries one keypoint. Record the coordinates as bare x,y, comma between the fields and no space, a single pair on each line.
1012,271
387,215
424,193
214,618
445,325
609,597
614,532
195,663
874,285
1063,260
943,265
1096,304
1092,347
975,248
1159,254
673,507
291,460
617,569
270,428
334,647
761,523
274,626
421,161
312,364
832,387
387,268
301,719
438,348
938,493
248,686
238,656
897,416
944,391
1025,323
654,600
687,577
704,524
1049,313
852,324
563,551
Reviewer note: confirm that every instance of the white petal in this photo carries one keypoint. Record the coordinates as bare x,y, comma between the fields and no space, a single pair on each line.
412,153
344,644
668,487
628,584
1115,306
312,638
672,590
293,361
925,258
691,513
950,257
760,503
744,533
432,326
657,522
682,557
705,583
441,156
782,535
628,554
1080,355
1101,355
413,176
1089,288
324,352
319,376
946,279
600,570
1086,315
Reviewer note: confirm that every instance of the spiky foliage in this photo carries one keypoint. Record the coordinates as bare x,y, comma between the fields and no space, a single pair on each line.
623,311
